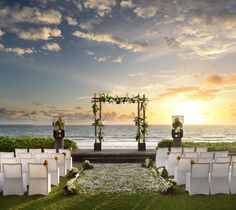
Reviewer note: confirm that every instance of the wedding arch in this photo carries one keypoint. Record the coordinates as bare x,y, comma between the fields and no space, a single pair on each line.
140,119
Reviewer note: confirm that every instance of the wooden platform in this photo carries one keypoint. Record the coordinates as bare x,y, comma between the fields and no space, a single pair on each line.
113,155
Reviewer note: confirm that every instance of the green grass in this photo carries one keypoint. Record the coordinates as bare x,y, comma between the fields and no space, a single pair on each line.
148,201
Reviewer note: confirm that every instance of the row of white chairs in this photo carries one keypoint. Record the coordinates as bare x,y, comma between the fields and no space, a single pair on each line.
185,149
205,178
13,180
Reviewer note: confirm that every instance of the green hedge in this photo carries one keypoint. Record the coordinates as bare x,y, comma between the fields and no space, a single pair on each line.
8,144
212,146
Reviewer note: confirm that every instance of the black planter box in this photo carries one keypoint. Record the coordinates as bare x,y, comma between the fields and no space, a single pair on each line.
97,146
141,146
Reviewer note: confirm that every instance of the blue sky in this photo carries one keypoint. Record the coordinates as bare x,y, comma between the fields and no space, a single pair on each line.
55,54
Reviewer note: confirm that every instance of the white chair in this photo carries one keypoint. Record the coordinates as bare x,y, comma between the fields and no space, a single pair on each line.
61,163
7,160
221,154
176,149
20,151
188,149
233,178
14,182
53,170
205,159
219,178
24,155
192,155
25,168
201,149
197,181
161,156
39,179
206,154
39,156
49,151
222,159
233,158
172,162
68,158
6,155
183,167
35,151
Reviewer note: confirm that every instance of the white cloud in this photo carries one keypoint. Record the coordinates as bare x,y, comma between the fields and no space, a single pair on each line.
89,52
71,21
126,4
135,74
86,25
51,47
29,15
134,46
44,33
145,12
17,50
118,59
2,33
101,59
102,7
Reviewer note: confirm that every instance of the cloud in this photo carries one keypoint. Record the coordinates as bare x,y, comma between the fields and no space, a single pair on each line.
86,25
71,21
217,79
28,15
51,47
126,4
101,59
102,7
134,46
17,50
172,42
44,33
2,33
118,59
140,74
89,52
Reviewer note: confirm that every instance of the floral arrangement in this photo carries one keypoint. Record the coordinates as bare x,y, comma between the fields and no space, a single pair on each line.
45,163
58,124
55,157
87,165
177,125
64,154
178,157
192,162
147,163
72,173
162,171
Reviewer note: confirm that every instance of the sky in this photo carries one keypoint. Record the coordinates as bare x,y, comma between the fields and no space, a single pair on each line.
54,55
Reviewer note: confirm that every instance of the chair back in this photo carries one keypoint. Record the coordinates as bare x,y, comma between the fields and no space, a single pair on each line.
35,150
37,170
221,154
222,159
52,164
12,170
7,160
60,156
24,155
20,151
201,149
192,155
220,169
39,156
176,149
25,162
162,151
67,151
6,155
200,170
188,149
205,159
49,151
184,164
206,154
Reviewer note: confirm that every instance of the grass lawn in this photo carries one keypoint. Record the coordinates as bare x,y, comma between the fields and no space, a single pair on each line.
120,201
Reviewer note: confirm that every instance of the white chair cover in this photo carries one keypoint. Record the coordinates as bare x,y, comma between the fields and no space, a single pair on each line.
222,159
201,149
176,149
39,179
233,178
161,156
206,154
205,159
183,167
61,163
219,178
172,162
39,156
68,158
6,155
20,151
188,149
25,168
24,155
35,151
221,154
14,182
192,155
7,160
197,181
53,170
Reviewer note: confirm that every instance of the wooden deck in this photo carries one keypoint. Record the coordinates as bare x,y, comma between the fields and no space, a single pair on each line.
113,155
